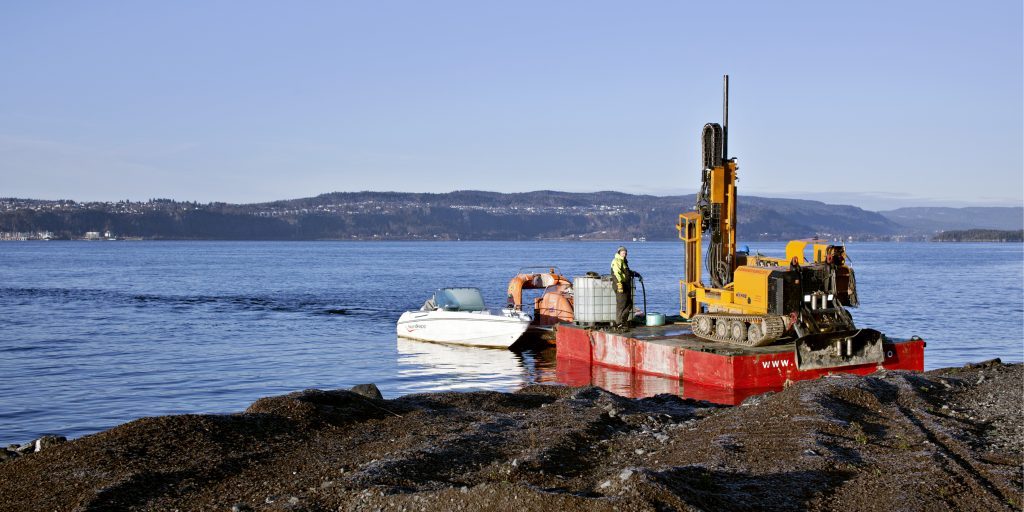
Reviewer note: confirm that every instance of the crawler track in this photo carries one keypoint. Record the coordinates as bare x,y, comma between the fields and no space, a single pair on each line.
757,330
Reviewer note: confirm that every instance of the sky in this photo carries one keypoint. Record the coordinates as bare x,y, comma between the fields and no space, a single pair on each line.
876,104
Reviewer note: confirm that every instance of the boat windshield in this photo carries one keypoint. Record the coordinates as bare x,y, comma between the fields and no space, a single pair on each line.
459,299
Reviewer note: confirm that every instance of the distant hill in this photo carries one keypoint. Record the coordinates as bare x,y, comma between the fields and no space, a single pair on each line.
470,215
615,215
935,219
785,219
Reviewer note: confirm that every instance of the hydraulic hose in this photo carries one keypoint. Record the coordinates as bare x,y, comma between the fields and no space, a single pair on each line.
644,290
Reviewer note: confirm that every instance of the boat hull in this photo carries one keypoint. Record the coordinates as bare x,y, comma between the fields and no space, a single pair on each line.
476,329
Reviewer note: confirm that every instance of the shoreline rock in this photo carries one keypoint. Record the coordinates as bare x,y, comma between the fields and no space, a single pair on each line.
34,446
944,439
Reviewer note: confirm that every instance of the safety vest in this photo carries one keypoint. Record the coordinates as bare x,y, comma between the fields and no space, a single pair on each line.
620,269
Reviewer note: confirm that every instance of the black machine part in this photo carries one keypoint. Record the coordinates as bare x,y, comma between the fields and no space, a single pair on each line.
837,349
788,287
827,337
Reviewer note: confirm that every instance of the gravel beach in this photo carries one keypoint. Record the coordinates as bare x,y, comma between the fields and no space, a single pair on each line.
948,439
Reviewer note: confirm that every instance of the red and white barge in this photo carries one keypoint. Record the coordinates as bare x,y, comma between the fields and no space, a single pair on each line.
645,361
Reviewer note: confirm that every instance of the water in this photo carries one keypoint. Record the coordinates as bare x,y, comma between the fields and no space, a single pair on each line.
98,333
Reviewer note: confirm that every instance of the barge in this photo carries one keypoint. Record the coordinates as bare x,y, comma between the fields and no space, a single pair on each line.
645,361
750,322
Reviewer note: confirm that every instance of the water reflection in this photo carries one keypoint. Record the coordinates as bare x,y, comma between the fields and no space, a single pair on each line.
636,385
425,367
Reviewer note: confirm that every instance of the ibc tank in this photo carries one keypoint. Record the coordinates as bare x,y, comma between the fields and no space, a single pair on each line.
595,300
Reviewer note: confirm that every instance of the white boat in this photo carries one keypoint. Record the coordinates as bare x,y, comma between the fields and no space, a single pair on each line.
458,316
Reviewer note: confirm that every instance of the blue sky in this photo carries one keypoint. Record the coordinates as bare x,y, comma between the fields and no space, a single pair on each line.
878,104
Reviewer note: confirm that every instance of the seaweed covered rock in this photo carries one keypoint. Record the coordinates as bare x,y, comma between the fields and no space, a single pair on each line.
315,407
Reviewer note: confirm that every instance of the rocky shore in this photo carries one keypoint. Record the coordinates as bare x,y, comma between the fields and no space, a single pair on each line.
947,439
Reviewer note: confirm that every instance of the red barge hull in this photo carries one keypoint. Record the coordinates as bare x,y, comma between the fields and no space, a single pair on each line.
669,359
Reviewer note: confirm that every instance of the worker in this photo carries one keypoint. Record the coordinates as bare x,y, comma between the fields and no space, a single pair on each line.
622,281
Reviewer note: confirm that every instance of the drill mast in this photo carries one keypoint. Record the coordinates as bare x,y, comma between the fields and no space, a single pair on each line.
716,201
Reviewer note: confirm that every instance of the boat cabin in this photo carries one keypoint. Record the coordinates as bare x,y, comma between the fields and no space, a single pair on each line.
456,299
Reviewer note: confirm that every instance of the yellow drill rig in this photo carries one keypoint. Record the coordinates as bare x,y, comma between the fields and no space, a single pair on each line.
755,300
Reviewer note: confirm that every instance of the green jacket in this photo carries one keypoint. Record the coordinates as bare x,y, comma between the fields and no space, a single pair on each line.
620,270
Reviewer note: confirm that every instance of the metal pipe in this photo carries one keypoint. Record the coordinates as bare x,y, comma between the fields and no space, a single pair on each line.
725,119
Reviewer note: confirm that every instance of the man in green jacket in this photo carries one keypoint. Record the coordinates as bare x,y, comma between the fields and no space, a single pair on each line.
622,281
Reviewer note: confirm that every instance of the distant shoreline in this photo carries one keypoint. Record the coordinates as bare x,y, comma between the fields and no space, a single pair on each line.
980,235
475,215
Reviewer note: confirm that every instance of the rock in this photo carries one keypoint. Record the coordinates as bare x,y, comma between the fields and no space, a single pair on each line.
48,441
367,390
29,447
295,500
625,474
985,364
241,507
756,399
6,455
661,437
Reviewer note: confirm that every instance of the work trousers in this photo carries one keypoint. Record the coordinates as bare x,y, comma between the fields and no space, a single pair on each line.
623,305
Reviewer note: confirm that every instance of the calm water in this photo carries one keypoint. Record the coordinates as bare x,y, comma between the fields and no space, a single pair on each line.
98,333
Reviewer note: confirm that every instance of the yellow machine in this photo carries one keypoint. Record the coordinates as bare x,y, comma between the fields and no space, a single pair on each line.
755,300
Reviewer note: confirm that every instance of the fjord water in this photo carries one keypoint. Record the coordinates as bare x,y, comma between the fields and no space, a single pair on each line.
98,333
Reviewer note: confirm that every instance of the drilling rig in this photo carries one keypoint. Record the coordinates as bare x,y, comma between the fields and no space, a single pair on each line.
755,300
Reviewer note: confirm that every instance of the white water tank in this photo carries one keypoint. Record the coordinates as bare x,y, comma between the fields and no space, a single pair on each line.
594,300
